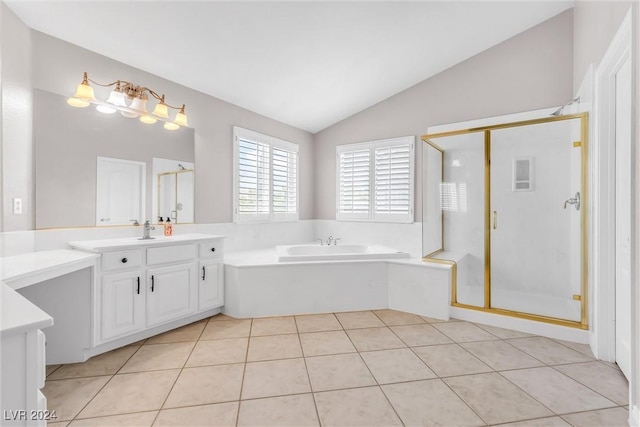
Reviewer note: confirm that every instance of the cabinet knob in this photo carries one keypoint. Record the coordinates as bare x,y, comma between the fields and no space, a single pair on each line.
213,249
124,260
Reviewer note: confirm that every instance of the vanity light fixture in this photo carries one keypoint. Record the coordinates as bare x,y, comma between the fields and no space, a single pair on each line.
130,100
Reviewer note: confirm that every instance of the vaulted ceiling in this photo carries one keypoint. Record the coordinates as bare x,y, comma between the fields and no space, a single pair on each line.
309,64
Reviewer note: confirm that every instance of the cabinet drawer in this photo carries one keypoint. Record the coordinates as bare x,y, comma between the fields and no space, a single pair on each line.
121,260
211,249
169,254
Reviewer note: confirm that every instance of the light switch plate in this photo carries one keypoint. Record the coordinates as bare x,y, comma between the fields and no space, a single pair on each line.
17,206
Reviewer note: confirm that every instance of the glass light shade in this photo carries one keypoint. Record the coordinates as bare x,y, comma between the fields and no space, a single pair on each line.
181,119
116,98
139,105
105,109
148,120
171,126
161,110
79,103
85,92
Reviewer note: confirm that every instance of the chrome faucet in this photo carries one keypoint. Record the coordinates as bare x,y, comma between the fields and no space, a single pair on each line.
335,241
146,229
320,241
329,240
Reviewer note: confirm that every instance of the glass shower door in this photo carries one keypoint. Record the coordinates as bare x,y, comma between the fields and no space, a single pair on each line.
535,219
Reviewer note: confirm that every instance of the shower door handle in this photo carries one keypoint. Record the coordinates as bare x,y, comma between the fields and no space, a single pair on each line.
495,219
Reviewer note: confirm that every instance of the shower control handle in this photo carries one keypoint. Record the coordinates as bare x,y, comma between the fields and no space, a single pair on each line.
575,201
495,220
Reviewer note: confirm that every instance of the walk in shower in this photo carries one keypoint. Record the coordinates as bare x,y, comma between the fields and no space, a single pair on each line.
506,205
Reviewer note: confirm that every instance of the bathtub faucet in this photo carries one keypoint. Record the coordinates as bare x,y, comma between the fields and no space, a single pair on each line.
329,240
335,241
320,242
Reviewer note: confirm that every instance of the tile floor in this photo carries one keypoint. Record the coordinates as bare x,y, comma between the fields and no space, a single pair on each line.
363,368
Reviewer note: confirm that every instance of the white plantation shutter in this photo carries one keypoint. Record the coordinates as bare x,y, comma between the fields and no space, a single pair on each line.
284,160
393,181
375,180
354,192
265,178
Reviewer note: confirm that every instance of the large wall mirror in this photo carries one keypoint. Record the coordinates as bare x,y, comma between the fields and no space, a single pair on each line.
94,169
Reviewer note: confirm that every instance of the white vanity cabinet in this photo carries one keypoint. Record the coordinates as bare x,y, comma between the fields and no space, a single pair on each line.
211,289
122,304
144,287
211,275
22,350
171,293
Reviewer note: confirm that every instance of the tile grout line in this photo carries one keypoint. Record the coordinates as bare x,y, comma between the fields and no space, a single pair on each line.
553,366
306,368
373,376
181,370
438,377
490,367
454,342
584,385
464,401
244,370
75,417
527,393
506,340
588,411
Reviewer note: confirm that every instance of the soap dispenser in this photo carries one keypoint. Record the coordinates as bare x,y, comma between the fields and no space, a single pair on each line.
168,227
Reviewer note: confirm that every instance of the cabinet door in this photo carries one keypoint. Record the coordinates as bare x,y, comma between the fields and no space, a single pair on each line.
171,293
211,285
122,304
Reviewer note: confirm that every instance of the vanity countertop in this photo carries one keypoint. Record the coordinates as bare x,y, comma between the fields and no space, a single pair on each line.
18,314
134,242
23,270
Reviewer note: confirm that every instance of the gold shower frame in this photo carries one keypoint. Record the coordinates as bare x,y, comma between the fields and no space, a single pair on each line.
584,292
176,172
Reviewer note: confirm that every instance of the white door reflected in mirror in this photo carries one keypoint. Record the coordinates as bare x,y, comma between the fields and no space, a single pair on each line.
120,191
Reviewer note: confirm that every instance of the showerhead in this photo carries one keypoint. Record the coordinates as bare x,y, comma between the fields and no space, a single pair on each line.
558,112
560,109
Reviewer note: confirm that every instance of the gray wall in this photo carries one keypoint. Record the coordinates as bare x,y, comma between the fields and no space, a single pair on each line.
529,71
594,25
16,128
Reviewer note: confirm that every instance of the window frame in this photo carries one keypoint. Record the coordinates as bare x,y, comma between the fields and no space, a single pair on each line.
272,142
372,215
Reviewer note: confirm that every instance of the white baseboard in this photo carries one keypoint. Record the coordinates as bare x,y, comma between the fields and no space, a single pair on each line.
634,416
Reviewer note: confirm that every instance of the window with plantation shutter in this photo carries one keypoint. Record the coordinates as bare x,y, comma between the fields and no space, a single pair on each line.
284,182
265,178
375,181
354,193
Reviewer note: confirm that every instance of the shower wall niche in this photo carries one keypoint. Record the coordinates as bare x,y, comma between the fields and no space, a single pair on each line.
501,203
